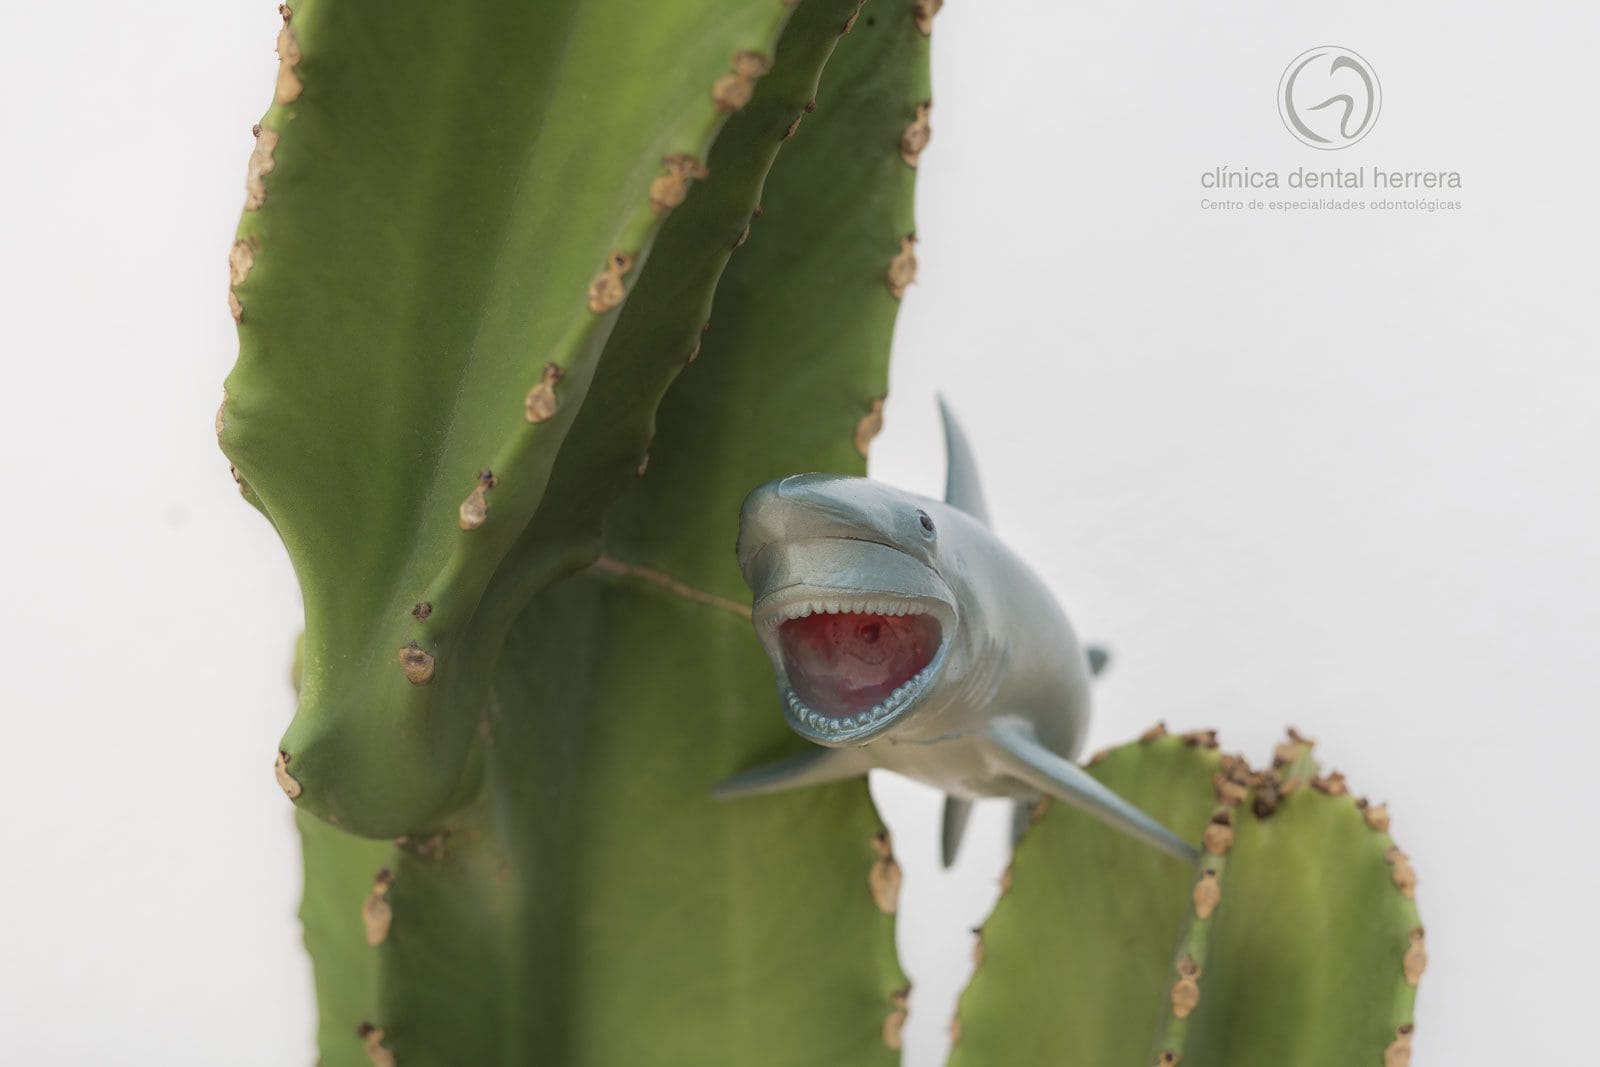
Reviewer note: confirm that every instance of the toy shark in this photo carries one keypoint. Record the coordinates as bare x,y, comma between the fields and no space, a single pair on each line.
905,636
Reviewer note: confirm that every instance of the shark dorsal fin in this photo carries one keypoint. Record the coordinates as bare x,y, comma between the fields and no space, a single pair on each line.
962,488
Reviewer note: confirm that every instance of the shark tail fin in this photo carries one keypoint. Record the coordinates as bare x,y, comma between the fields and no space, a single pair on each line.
956,811
1035,765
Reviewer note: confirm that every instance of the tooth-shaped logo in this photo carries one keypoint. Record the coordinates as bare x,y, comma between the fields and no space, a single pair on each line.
1329,97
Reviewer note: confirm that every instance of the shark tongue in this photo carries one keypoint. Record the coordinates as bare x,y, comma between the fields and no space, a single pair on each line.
845,663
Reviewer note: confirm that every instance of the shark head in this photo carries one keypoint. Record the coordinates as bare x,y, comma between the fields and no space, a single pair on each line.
851,601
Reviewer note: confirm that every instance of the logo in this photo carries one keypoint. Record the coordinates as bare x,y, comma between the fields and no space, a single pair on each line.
1329,97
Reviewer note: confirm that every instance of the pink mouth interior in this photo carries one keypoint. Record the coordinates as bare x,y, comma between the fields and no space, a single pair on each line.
847,663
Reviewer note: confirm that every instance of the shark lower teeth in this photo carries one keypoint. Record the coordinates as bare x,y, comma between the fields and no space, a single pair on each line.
828,724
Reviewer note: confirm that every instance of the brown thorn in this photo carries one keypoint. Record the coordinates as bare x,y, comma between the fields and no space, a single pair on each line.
870,425
1229,792
672,188
1398,1054
241,257
417,664
1405,878
288,87
1155,733
541,403
372,1044
884,877
376,914
259,166
286,781
733,91
903,268
607,288
474,510
1186,990
915,137
1269,794
895,1022
1207,894
1218,837
1416,958
1333,784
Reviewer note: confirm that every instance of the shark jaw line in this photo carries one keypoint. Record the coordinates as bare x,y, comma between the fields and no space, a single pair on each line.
914,630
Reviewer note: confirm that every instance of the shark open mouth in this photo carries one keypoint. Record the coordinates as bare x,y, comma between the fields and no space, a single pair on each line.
850,665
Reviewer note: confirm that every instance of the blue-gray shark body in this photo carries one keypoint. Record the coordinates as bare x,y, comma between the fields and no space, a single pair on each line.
906,636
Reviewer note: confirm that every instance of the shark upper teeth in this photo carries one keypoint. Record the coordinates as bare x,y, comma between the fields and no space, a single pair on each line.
803,609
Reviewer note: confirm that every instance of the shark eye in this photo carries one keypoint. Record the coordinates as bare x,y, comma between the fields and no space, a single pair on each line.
927,522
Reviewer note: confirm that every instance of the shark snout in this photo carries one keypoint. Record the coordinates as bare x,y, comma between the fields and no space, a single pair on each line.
785,509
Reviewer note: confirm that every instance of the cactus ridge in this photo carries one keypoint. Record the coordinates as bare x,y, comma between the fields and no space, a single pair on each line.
1235,784
1295,940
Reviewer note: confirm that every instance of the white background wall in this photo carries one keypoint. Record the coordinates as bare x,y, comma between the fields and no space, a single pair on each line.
1332,470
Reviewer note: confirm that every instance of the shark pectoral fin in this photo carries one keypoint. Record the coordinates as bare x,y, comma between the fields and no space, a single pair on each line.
808,768
963,489
1033,764
1099,659
956,811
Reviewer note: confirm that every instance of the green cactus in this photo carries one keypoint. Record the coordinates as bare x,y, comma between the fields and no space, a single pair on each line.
484,237
481,241
1297,942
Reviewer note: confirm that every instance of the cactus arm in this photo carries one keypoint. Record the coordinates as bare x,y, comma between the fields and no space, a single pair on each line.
593,906
1296,941
1035,765
444,210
